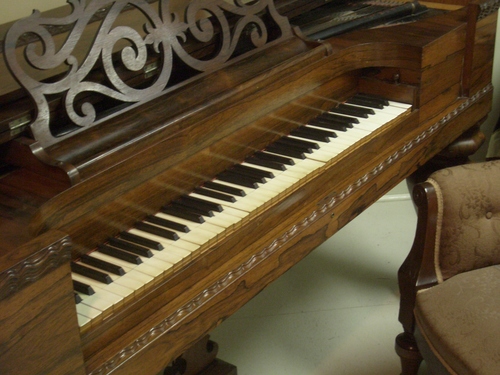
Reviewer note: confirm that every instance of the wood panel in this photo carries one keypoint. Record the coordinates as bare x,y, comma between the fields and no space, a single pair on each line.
39,332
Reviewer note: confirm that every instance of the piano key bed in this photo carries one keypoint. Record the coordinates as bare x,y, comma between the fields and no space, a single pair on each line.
115,271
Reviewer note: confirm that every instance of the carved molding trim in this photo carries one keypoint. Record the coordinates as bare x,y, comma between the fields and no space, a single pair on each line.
206,295
119,51
34,268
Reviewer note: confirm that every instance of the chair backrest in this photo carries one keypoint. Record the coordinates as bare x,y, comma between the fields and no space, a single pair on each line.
468,228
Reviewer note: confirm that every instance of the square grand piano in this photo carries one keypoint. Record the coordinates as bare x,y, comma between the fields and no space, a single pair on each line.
160,167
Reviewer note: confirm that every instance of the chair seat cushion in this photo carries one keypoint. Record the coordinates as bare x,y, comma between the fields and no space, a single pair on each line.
460,321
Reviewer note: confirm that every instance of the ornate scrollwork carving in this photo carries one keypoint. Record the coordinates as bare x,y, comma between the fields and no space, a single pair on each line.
119,50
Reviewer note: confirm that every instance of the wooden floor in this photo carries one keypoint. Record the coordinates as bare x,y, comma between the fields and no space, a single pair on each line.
335,313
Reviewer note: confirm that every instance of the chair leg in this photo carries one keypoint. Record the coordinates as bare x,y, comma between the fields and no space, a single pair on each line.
407,350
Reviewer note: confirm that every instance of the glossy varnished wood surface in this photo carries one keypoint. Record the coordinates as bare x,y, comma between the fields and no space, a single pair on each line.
39,333
129,180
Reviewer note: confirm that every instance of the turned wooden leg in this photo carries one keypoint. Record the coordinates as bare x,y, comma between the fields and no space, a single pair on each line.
200,359
408,352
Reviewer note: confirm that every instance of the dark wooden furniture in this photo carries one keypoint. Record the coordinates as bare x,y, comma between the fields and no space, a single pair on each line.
449,282
81,166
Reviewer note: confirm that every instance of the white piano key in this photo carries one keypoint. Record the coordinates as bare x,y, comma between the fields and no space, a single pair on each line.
199,235
125,280
181,253
166,256
219,222
102,299
86,310
82,319
197,238
136,271
321,156
113,288
96,301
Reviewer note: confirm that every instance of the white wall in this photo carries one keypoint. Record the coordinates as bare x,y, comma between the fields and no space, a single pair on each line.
495,112
23,8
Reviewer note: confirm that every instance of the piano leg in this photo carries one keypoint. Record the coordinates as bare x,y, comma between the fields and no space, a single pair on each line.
200,359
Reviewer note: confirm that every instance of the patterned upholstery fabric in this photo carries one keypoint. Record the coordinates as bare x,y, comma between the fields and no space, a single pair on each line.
460,320
460,317
469,217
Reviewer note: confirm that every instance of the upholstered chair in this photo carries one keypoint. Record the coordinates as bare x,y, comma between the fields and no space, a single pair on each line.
450,281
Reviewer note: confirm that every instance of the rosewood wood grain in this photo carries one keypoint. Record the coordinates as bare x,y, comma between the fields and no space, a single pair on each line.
39,333
128,166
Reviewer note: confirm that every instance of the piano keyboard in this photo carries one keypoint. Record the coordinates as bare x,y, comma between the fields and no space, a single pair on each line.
114,272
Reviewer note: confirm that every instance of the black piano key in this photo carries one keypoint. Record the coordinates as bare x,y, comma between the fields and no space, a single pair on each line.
103,265
347,120
200,203
91,273
358,109
289,142
203,211
182,213
119,254
352,110
224,188
301,142
167,223
313,134
130,247
153,229
364,102
250,177
238,179
252,171
141,240
78,299
276,158
326,133
266,163
332,125
285,151
372,98
83,288
215,194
